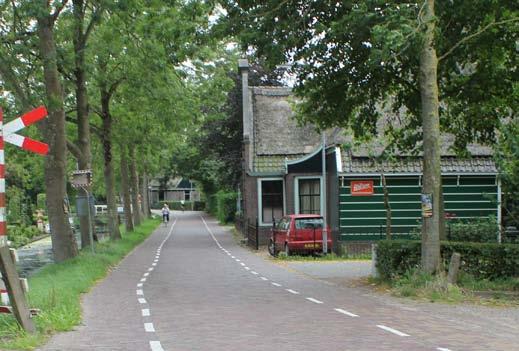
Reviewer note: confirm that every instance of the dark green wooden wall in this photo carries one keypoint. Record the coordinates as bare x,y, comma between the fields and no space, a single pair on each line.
364,217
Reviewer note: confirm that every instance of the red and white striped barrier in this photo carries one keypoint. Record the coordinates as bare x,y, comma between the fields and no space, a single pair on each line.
22,122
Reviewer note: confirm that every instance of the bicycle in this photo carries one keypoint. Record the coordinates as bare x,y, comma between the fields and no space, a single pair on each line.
165,219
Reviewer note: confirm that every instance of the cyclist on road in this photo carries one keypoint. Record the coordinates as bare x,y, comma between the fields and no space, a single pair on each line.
165,213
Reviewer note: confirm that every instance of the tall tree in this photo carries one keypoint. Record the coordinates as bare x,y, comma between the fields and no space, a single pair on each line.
63,244
81,14
354,60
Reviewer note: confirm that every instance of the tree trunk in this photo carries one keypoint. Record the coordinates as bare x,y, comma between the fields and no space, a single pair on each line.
431,143
134,184
113,223
145,196
387,206
83,127
125,185
63,241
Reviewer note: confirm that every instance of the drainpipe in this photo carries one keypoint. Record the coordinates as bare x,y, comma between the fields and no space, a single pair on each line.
325,230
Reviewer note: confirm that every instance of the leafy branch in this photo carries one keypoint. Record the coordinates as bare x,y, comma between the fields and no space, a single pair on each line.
475,34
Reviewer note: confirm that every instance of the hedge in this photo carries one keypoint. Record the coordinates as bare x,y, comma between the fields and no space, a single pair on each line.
482,260
226,206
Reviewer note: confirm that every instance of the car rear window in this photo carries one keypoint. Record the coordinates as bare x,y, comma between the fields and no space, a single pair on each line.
309,223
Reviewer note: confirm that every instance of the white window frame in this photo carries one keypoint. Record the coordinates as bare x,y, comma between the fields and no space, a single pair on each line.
296,192
260,202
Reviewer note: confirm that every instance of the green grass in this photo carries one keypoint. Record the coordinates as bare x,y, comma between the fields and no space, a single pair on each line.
416,283
435,288
57,288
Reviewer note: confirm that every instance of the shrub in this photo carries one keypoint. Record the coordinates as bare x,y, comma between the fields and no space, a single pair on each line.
211,205
481,230
21,235
41,201
482,260
226,206
199,206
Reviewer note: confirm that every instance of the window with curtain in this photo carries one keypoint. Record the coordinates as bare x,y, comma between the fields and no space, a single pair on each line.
310,196
271,200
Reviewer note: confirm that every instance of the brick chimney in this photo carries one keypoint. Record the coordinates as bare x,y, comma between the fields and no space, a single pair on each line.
248,133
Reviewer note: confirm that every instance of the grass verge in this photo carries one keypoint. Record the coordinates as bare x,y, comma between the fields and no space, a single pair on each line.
435,288
57,288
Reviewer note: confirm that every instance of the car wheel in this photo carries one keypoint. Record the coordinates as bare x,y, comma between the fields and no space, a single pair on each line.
272,248
287,250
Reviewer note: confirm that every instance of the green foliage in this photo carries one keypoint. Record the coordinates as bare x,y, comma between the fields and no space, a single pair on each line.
482,260
357,61
20,235
226,206
211,205
57,288
507,159
481,230
18,206
416,283
41,201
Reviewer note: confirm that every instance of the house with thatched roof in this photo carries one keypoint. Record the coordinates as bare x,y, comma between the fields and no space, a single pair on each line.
284,173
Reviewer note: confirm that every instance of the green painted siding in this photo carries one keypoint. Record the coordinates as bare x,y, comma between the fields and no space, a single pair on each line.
364,217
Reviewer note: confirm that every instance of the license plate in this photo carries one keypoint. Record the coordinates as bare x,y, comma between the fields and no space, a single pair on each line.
311,246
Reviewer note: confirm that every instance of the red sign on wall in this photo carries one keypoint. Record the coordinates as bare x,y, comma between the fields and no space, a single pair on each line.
361,187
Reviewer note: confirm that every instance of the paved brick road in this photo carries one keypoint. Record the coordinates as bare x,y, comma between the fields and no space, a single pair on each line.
190,287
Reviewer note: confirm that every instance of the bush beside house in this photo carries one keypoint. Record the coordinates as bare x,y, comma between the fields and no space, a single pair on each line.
222,205
482,260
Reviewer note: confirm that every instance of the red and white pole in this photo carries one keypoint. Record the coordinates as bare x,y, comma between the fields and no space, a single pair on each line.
3,212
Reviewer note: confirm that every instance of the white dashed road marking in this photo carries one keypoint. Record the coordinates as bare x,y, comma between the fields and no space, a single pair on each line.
313,300
156,346
340,310
149,327
391,330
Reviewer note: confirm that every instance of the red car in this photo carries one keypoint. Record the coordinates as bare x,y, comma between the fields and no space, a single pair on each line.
298,233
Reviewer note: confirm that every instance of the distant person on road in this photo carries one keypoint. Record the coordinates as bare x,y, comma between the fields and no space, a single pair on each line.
182,205
165,213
